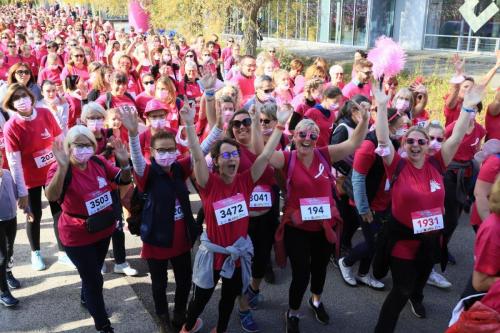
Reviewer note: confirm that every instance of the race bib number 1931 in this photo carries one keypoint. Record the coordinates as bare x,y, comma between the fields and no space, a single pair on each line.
230,209
427,220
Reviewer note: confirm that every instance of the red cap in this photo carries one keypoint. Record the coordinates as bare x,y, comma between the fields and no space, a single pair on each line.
154,105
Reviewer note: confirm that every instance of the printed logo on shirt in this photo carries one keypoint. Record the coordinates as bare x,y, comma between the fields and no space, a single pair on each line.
434,186
321,168
45,134
102,182
475,142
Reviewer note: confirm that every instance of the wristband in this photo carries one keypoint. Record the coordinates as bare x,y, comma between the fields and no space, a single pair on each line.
468,110
210,93
280,127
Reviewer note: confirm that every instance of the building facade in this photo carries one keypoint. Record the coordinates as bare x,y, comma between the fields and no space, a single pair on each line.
416,24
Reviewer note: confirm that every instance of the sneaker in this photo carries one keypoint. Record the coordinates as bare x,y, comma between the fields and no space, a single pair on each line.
37,263
334,261
8,300
125,269
178,320
291,323
370,281
104,268
437,280
247,322
347,273
319,312
418,309
252,298
12,281
197,326
65,260
107,329
269,276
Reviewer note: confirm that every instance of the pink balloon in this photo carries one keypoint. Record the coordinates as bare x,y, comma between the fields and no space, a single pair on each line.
137,16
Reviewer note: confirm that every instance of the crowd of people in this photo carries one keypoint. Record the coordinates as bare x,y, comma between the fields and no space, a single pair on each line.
118,126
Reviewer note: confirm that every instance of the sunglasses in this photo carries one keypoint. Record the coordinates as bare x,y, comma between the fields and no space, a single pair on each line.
421,142
268,91
189,55
245,122
11,46
272,51
206,55
312,136
265,121
148,82
79,55
438,139
38,43
72,45
228,155
23,72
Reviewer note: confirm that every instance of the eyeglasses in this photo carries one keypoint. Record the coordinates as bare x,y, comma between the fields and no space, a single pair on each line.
189,55
312,136
38,43
10,45
265,121
163,150
148,82
206,55
245,122
339,74
227,155
421,142
272,51
79,55
23,72
268,91
230,41
72,45
5,37
438,139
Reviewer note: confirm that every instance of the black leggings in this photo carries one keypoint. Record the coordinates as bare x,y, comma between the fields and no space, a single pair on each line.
231,288
351,221
118,240
33,228
453,208
364,251
309,254
408,278
8,231
261,230
159,279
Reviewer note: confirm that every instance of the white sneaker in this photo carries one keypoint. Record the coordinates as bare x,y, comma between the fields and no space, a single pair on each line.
37,263
65,260
125,269
370,281
437,280
104,268
347,273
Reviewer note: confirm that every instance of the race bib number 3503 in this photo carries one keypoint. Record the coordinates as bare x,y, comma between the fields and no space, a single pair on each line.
313,209
97,201
230,209
427,220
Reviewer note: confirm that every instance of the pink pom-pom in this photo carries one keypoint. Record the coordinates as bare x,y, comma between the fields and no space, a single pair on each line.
388,58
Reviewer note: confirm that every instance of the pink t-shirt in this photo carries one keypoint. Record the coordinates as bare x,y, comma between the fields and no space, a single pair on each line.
351,89
246,86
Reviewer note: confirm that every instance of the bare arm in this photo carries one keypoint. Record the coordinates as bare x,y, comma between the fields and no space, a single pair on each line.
257,140
483,282
382,127
491,73
452,99
481,192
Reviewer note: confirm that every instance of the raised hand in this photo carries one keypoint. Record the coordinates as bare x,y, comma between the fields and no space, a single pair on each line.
120,151
187,112
473,96
61,156
284,113
130,120
363,113
458,63
254,113
380,97
208,80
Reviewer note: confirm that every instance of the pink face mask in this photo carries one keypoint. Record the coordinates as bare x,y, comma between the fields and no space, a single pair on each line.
402,105
23,104
267,131
82,155
95,124
158,123
226,116
165,159
163,94
435,145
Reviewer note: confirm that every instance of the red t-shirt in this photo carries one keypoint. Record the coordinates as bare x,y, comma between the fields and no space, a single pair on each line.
421,120
492,298
470,144
488,173
246,86
32,62
83,73
145,141
214,192
306,183
140,101
451,115
115,101
34,140
180,242
325,125
414,191
364,157
492,125
53,75
351,89
12,60
487,247
85,185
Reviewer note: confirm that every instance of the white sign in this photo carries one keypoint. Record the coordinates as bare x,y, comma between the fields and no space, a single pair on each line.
476,22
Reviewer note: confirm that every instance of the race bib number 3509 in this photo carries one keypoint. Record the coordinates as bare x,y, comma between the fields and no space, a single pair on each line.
230,209
313,209
427,220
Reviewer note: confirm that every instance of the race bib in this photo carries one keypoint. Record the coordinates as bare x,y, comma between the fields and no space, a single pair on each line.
43,157
427,220
230,209
97,201
261,197
313,209
178,214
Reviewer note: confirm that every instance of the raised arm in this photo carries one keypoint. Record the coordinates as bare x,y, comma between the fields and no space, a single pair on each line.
262,160
200,167
54,189
471,99
131,123
491,73
382,124
452,99
340,151
257,140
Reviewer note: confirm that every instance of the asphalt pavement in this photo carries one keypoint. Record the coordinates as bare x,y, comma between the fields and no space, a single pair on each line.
50,299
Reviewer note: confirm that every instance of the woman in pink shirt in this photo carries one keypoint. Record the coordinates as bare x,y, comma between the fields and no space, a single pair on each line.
77,64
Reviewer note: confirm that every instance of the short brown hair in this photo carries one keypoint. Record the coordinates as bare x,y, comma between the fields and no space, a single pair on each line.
297,65
360,63
167,135
13,88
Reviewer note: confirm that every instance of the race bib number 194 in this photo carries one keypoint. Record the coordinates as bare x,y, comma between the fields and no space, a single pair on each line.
313,209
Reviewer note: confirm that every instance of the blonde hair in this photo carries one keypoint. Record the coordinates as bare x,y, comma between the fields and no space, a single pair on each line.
231,90
278,75
305,124
417,129
495,197
92,106
77,131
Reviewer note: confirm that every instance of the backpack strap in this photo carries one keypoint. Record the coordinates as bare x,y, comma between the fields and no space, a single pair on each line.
328,168
69,176
130,96
395,175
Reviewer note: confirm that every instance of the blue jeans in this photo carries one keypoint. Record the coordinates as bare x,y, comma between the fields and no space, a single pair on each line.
88,259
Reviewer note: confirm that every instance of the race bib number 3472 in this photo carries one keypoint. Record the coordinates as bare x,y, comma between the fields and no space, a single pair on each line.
230,209
313,209
427,220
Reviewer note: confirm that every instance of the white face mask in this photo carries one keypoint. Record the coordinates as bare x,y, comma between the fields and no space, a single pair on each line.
95,124
166,159
267,131
23,104
158,123
400,132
